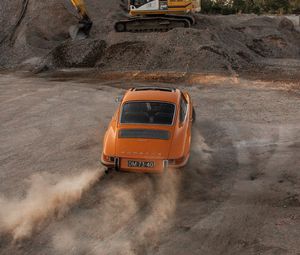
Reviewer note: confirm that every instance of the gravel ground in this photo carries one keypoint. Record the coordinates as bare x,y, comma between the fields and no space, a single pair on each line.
239,193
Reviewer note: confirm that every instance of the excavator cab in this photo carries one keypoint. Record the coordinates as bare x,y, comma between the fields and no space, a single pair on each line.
137,3
147,5
163,7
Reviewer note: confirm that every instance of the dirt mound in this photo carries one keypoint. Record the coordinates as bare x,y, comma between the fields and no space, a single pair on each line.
179,49
84,53
215,44
43,26
271,38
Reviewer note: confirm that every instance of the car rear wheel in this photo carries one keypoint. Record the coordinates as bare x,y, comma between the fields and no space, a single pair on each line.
194,115
108,169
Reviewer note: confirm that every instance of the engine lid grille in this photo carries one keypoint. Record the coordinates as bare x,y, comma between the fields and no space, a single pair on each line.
144,133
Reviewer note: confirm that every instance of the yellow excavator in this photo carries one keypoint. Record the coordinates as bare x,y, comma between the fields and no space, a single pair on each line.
158,15
83,28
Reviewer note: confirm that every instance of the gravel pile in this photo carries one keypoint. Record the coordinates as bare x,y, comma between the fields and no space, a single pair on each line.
216,43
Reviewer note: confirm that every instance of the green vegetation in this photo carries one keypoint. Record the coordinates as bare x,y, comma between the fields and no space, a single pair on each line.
251,6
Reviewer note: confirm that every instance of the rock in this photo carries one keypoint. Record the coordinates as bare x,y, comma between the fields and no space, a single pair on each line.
286,24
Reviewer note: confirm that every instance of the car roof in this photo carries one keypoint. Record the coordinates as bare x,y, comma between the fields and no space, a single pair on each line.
152,94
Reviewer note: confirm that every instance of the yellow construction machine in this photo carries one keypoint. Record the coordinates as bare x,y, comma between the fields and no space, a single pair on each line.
158,15
82,29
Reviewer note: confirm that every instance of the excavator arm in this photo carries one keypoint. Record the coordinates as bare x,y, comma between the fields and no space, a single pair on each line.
81,8
82,30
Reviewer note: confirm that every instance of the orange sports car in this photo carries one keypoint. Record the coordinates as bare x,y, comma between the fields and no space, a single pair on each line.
150,131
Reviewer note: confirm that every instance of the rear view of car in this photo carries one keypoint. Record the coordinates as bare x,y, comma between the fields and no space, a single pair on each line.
148,132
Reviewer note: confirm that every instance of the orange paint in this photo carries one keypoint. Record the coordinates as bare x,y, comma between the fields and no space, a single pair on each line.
149,131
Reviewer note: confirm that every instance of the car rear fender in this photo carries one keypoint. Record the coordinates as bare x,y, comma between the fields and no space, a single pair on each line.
182,134
109,143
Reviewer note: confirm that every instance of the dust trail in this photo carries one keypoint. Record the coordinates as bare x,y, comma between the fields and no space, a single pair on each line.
45,200
125,226
146,228
162,208
118,208
201,153
200,146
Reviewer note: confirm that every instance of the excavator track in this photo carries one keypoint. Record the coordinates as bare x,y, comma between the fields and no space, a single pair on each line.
154,23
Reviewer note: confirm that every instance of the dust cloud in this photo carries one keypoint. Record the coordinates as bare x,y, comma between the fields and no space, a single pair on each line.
48,197
162,207
118,207
132,220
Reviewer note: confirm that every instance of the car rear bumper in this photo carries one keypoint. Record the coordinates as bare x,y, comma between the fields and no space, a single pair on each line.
160,165
156,165
122,164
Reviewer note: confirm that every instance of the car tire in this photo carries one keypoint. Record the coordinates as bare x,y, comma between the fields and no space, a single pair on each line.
194,115
108,170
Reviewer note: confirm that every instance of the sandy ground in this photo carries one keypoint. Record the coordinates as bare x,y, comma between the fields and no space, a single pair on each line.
239,193
37,39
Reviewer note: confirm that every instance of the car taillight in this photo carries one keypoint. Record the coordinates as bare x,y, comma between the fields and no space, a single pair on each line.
108,158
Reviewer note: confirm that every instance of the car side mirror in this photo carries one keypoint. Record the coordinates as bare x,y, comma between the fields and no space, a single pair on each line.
118,99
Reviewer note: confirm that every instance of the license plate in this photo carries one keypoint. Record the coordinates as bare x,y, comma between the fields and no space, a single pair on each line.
144,164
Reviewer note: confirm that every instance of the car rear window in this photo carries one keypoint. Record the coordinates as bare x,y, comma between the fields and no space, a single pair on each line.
159,113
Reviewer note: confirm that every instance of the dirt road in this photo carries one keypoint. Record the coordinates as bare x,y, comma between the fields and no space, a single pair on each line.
238,195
